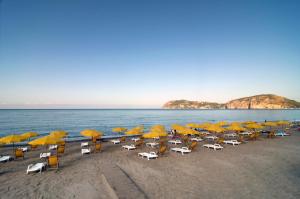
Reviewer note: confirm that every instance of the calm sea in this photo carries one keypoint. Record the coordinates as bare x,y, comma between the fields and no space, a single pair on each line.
73,121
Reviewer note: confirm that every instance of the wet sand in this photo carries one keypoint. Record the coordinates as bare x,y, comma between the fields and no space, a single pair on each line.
267,168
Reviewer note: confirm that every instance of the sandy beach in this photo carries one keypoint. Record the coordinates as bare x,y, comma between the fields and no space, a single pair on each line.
267,168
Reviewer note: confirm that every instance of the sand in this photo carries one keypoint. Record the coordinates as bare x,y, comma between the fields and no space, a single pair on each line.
267,168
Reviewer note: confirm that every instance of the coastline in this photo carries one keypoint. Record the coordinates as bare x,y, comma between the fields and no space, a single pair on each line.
267,168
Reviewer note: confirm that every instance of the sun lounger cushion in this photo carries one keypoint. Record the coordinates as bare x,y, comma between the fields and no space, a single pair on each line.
83,144
45,155
5,158
85,151
36,167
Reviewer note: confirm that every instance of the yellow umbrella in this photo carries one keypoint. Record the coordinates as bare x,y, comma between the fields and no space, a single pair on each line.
282,122
11,139
46,140
254,126
91,133
235,123
204,125
222,123
135,131
192,125
215,128
158,128
155,134
270,124
28,135
59,134
235,128
249,122
119,129
177,127
188,131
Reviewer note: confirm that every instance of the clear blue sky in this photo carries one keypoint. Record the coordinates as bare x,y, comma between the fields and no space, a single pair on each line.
143,53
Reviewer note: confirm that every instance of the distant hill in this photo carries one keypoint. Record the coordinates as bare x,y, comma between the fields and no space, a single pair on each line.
265,101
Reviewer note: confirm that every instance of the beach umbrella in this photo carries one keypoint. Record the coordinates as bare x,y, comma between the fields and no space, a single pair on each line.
11,139
59,134
91,133
28,135
222,123
235,123
235,128
204,125
215,128
271,124
177,127
158,128
138,130
188,131
46,140
282,122
155,134
119,129
254,126
249,122
192,125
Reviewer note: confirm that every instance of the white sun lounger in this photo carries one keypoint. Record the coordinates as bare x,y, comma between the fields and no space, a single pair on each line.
45,155
52,147
213,146
230,135
175,142
152,144
115,141
282,134
5,158
196,139
212,137
129,147
232,142
151,155
245,133
135,139
36,167
24,149
181,150
85,151
84,144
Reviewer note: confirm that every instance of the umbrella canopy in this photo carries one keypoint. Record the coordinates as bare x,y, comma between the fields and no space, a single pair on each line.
177,127
254,126
270,124
155,134
28,135
222,123
188,131
11,139
282,122
91,133
204,125
235,124
215,128
192,125
46,140
119,129
249,122
59,134
235,128
138,130
158,128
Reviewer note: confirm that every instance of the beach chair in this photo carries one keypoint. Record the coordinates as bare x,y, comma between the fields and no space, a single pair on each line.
213,146
36,167
45,155
232,142
271,135
129,147
33,147
193,146
5,158
139,143
19,153
84,144
53,161
98,147
181,150
85,151
94,139
151,155
162,149
115,141
60,150
123,139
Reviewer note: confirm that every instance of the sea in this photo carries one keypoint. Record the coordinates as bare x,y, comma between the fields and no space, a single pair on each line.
73,121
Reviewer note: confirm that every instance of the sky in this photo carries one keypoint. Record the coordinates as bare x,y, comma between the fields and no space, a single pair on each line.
141,54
